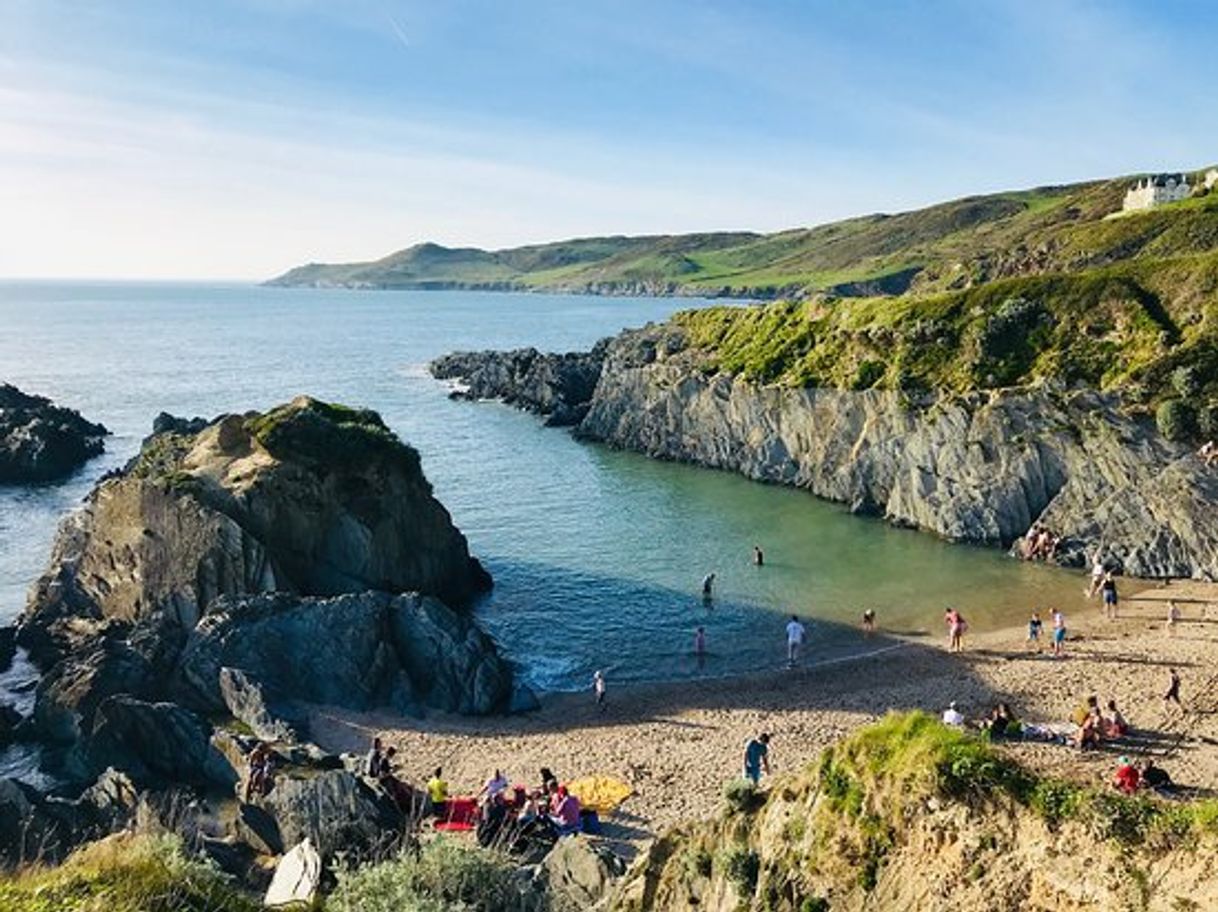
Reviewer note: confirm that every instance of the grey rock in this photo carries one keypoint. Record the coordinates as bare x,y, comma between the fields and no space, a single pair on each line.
309,498
8,647
40,441
247,701
10,722
557,386
154,744
257,828
407,651
979,468
165,423
581,872
337,810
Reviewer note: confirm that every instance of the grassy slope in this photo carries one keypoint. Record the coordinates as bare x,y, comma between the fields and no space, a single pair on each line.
950,245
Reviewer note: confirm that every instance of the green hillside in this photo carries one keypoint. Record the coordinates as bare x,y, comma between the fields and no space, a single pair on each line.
947,247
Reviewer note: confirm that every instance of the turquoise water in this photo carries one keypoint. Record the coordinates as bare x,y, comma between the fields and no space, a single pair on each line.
597,554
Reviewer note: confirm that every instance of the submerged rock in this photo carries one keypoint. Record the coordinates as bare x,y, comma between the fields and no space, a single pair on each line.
557,386
309,498
40,441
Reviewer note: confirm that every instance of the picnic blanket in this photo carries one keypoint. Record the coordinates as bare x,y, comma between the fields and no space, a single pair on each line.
602,794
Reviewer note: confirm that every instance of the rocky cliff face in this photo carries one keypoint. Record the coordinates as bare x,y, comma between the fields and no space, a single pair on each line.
309,498
40,441
979,468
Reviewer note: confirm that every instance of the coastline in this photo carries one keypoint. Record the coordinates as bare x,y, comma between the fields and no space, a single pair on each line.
676,744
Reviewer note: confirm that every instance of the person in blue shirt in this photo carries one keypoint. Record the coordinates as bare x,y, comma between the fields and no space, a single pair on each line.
756,758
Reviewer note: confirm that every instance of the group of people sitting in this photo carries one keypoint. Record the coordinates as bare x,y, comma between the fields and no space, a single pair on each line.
1208,453
1129,778
999,723
1096,726
1040,543
261,763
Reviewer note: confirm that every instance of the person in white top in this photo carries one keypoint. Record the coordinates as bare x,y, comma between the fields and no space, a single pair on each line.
795,639
1097,575
495,787
952,716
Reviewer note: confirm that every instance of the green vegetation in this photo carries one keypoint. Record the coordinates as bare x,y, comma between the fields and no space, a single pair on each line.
442,876
322,434
965,242
125,874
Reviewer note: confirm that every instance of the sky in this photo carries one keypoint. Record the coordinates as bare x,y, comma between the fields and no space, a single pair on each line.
234,139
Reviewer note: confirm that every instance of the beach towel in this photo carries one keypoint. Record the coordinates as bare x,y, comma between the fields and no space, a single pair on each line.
602,794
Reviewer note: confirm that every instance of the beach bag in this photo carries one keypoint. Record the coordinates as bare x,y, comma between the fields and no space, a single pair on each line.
590,822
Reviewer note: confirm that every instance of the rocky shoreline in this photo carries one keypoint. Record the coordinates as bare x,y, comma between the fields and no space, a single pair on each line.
236,573
979,468
41,441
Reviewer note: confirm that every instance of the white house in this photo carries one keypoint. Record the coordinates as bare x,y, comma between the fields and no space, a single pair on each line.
1157,190
1211,178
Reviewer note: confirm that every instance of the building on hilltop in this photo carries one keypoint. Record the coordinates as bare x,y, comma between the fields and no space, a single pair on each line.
1157,190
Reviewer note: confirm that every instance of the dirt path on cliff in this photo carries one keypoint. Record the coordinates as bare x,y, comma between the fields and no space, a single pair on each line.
678,744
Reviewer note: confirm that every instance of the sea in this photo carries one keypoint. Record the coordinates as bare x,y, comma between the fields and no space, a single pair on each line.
597,554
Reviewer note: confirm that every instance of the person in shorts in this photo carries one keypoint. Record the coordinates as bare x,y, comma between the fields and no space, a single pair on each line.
757,758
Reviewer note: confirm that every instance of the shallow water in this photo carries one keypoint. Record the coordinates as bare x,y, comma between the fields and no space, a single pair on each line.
597,554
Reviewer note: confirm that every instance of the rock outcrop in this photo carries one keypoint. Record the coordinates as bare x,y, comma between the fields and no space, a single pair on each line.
40,441
978,468
559,387
309,498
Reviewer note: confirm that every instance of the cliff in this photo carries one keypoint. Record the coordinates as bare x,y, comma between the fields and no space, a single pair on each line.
908,814
40,441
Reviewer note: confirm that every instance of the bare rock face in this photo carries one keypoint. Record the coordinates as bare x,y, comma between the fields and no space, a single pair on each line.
309,498
978,468
40,441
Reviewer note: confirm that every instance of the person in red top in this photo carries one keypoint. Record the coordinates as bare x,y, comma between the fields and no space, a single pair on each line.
1127,777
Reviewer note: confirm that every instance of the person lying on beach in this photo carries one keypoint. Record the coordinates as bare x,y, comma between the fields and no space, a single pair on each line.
1127,778
1000,721
1113,724
1156,778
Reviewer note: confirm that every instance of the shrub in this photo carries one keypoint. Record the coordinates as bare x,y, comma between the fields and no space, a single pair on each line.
814,904
1176,419
868,374
742,796
1007,328
125,874
698,863
1207,420
1187,381
441,876
742,866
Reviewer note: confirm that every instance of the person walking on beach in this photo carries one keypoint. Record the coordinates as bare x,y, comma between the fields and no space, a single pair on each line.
1059,633
1109,591
1173,689
795,639
757,758
598,687
708,587
955,629
758,557
1097,575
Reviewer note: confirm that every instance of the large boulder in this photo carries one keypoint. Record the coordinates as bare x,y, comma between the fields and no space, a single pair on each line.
309,498
407,651
153,743
40,441
335,809
581,871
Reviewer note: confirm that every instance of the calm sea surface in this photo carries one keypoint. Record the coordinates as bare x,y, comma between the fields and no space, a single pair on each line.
597,555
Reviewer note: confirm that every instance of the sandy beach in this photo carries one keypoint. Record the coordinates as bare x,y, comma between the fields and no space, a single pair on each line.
678,744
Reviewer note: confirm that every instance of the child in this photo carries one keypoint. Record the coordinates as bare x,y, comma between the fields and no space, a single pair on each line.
1035,625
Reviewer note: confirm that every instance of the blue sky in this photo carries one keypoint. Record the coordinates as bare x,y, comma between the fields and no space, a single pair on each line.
217,138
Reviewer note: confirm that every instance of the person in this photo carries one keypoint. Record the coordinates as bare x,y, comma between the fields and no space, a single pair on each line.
1208,453
1059,632
1156,778
437,792
405,797
1173,616
956,626
259,781
758,557
999,721
952,715
700,642
598,687
1088,734
795,639
1173,688
1127,777
564,811
493,789
372,762
1113,724
708,587
869,621
549,782
1035,625
1108,590
1097,576
757,758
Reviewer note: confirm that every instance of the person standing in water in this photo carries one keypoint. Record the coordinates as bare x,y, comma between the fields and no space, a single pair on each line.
700,646
598,687
795,640
758,556
708,587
